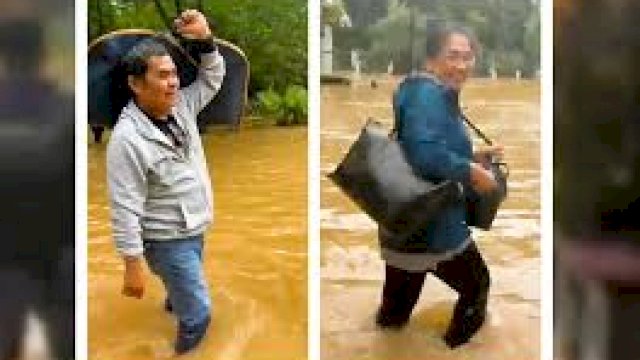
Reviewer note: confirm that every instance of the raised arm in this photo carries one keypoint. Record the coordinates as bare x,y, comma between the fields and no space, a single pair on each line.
193,25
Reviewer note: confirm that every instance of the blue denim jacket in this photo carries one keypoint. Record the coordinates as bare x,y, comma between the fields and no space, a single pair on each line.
435,141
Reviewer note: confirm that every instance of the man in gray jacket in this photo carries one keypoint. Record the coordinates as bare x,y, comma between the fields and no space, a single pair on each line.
159,186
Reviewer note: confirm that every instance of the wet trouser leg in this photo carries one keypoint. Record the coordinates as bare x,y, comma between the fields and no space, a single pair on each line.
179,264
468,275
399,295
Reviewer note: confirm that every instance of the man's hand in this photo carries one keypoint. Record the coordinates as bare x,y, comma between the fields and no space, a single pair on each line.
482,180
133,285
191,24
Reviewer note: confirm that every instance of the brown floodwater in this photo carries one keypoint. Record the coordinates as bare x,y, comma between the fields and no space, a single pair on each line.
255,257
352,272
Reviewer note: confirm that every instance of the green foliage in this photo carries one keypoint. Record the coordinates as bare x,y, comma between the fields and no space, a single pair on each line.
391,40
364,13
331,14
508,62
295,103
269,103
508,32
273,34
289,108
532,42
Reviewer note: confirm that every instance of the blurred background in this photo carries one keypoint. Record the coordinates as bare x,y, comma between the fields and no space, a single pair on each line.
596,179
37,178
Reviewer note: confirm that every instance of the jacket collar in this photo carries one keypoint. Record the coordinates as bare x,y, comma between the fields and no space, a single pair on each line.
144,125
452,95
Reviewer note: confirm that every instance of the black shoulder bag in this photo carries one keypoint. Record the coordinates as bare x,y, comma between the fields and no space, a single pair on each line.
483,208
377,177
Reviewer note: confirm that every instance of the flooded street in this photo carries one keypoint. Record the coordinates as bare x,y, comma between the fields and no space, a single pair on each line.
255,257
352,272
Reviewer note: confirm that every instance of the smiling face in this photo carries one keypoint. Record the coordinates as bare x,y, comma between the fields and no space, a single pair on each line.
157,90
455,61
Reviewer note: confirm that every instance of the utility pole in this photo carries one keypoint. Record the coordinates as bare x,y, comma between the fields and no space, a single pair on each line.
412,30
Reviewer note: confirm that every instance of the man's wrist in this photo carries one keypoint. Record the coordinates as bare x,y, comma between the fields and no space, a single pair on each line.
206,35
204,45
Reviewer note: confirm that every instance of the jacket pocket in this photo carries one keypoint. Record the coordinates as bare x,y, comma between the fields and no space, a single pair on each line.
166,171
194,211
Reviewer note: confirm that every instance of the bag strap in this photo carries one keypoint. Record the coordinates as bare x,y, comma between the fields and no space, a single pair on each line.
501,164
396,125
477,130
395,130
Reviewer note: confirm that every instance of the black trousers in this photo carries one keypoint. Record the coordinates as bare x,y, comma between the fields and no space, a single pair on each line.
466,273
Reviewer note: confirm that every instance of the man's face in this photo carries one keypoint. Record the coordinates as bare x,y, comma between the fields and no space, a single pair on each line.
455,62
157,91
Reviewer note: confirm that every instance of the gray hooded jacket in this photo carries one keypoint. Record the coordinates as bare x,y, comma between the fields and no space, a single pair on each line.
159,191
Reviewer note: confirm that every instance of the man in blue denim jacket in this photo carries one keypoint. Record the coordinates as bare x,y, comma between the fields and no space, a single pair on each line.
432,133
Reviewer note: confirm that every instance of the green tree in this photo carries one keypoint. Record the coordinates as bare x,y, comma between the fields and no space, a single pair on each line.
508,31
532,42
391,40
364,13
331,14
272,34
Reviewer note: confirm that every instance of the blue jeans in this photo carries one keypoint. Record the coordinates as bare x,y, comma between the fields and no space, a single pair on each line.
178,263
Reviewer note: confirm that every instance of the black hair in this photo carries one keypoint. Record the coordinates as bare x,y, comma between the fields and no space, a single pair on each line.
438,34
136,61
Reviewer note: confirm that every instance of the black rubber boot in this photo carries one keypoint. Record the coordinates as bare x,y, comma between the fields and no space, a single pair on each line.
468,274
389,322
466,321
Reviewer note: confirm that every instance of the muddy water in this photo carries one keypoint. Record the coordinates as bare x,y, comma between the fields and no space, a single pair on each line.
352,271
255,257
